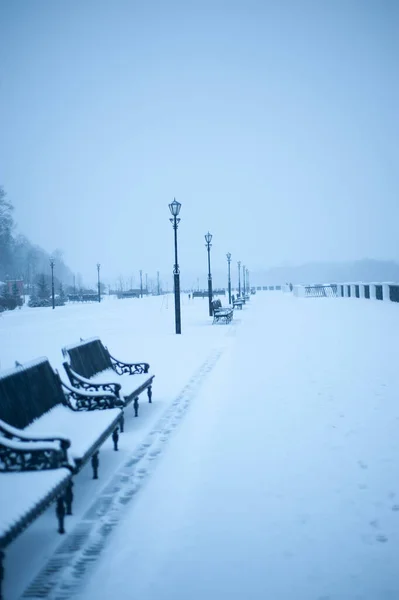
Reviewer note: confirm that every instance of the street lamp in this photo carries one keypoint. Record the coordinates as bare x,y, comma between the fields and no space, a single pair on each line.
243,278
52,263
141,283
239,277
228,256
208,239
248,288
174,208
98,281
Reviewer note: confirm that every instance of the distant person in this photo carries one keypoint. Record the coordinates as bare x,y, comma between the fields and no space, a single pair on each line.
189,296
291,287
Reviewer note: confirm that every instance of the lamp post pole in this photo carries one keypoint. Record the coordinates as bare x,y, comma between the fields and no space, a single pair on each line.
158,286
141,283
52,262
174,208
228,256
248,288
208,239
243,279
98,282
239,277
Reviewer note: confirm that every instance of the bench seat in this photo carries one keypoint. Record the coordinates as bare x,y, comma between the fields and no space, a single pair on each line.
130,384
24,495
86,430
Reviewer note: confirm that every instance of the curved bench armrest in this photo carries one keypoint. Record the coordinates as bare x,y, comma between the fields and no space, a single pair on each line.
18,435
86,385
130,368
17,455
77,399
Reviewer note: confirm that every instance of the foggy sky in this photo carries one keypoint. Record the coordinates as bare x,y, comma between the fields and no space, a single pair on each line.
275,124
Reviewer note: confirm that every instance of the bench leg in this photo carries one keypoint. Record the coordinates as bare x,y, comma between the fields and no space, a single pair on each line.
115,438
68,498
2,557
60,512
122,422
95,461
149,393
136,407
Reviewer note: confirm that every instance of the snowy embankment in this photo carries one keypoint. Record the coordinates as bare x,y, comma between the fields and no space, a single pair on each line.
280,482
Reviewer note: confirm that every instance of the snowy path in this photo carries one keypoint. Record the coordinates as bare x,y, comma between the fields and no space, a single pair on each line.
282,480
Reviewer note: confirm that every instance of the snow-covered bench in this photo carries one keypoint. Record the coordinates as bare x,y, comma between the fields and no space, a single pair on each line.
34,473
238,303
220,313
91,367
33,398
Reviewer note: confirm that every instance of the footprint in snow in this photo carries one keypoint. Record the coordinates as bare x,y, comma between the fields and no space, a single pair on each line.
362,464
395,507
381,538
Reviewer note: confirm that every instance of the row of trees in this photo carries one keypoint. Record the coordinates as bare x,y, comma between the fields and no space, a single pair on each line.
19,258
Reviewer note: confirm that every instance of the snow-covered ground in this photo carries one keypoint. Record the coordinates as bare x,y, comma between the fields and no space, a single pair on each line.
266,468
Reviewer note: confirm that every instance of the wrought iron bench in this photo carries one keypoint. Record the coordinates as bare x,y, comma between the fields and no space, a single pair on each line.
224,315
34,399
91,367
34,473
238,304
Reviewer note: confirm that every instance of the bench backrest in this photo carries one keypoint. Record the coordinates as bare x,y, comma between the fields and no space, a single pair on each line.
28,391
216,304
88,358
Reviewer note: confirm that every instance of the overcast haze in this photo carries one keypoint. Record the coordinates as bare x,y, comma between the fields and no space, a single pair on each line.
275,124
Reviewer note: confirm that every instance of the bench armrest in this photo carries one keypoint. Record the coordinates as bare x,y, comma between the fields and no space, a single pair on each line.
17,455
86,385
77,399
18,435
130,368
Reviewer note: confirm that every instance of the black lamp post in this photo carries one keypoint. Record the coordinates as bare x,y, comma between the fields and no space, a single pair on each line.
243,279
174,208
228,256
158,285
248,288
239,277
52,263
98,282
208,239
141,283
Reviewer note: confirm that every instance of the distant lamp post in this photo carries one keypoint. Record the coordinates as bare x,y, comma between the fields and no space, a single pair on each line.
141,283
243,280
248,288
228,256
158,284
174,208
239,277
52,263
208,239
98,282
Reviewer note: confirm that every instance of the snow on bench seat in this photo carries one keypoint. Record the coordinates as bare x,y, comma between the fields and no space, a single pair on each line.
85,429
23,494
130,383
